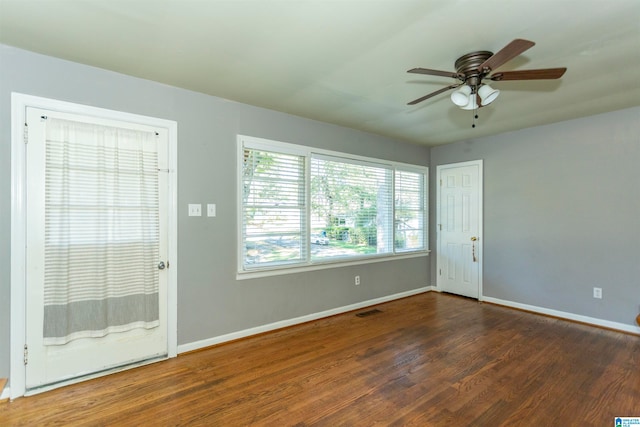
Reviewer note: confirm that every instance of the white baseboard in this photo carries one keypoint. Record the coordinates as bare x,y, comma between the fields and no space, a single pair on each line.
564,315
183,348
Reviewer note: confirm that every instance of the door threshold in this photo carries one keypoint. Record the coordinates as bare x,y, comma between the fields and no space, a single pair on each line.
461,296
93,375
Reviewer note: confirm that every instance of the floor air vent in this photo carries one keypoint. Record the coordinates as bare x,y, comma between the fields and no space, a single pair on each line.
369,313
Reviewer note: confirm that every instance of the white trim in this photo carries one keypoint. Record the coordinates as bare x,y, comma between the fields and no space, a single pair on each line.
19,103
480,242
280,270
308,151
172,222
244,141
18,245
183,348
479,163
565,315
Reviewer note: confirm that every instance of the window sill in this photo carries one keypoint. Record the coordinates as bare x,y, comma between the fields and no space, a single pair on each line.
280,270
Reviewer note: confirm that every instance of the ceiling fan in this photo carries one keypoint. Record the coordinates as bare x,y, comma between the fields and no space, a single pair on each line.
473,67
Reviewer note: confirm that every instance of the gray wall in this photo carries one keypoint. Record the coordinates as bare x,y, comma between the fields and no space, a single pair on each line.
561,214
210,301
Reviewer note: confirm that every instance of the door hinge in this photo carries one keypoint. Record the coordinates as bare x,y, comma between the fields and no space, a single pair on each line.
440,272
26,354
440,183
25,134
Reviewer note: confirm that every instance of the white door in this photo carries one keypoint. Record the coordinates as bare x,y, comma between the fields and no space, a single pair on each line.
90,349
459,226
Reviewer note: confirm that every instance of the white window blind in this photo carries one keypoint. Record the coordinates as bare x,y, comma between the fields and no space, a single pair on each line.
273,208
351,204
410,211
300,206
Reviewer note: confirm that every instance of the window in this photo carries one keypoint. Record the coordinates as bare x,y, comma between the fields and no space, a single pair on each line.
301,206
410,210
350,207
273,208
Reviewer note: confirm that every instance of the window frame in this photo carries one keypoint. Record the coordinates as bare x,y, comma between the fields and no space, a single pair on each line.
425,183
310,264
368,163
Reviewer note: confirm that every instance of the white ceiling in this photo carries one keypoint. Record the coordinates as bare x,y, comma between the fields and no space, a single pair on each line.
345,61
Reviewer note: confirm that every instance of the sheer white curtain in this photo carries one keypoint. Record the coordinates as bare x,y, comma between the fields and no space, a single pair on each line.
101,231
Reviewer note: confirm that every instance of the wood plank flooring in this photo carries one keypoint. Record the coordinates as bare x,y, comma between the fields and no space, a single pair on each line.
3,382
428,360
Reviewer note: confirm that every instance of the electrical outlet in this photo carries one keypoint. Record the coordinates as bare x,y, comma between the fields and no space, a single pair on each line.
211,209
357,280
597,293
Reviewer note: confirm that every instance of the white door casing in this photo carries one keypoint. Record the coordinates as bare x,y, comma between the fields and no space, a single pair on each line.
50,364
459,228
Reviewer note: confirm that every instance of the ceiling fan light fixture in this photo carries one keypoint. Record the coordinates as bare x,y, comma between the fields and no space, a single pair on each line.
460,97
472,104
488,94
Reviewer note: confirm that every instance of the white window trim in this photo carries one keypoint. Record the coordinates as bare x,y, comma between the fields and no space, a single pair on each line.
245,141
425,172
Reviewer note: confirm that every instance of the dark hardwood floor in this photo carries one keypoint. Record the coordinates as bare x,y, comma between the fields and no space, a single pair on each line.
428,360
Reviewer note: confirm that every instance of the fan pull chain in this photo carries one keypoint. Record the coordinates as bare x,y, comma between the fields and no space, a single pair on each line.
475,109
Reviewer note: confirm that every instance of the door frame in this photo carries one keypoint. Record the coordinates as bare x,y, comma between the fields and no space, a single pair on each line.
480,242
19,104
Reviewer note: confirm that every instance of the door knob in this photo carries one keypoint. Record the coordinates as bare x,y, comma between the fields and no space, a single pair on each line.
473,239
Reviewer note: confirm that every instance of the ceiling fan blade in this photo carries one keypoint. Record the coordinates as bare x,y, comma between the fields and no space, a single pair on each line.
436,73
505,54
543,74
438,92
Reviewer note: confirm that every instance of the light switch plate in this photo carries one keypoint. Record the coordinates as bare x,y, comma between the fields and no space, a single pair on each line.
195,209
211,209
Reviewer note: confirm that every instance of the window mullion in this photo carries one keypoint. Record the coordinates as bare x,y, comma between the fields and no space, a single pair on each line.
307,210
393,208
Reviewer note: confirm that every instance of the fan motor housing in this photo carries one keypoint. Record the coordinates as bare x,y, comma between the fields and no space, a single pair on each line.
468,64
